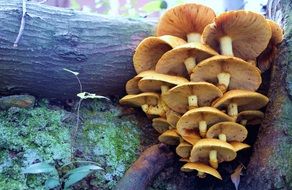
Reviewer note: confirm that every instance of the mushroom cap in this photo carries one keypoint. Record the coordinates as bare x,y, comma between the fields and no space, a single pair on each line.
245,100
172,62
169,137
191,137
190,120
243,75
177,97
132,84
253,117
140,99
190,166
249,31
153,82
233,131
172,118
184,149
160,125
267,56
200,151
238,146
184,19
151,49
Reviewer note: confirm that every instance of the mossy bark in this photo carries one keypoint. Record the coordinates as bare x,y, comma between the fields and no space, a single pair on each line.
99,48
270,166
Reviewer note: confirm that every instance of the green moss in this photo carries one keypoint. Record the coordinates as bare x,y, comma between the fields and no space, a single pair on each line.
113,141
28,136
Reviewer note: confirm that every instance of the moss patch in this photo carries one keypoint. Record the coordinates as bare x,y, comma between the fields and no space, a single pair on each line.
29,136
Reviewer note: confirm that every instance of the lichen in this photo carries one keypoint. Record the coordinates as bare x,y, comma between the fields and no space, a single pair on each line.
40,134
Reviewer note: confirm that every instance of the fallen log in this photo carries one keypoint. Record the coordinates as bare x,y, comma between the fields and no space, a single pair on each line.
98,47
148,166
270,166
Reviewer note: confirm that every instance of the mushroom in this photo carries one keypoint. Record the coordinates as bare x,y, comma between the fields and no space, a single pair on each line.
228,73
191,137
267,56
184,149
151,49
185,21
227,131
199,119
213,150
202,169
170,137
182,59
250,117
172,117
132,84
191,95
243,34
238,146
159,82
149,102
160,125
240,100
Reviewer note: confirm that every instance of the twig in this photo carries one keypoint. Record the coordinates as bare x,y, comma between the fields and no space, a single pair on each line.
21,28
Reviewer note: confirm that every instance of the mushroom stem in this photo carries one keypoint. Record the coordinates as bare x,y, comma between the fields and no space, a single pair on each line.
213,159
222,137
194,37
226,46
223,81
233,110
153,110
151,101
203,128
164,89
201,174
190,63
193,102
243,122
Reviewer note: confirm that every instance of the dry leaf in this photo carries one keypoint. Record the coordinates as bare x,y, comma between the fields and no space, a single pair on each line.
235,177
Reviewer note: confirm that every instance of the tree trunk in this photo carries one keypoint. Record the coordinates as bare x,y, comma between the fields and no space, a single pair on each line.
98,47
271,163
149,164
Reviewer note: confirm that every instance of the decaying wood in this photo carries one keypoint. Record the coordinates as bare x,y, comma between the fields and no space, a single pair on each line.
98,47
143,171
270,166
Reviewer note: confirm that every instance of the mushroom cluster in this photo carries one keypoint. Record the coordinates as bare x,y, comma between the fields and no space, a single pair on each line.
197,81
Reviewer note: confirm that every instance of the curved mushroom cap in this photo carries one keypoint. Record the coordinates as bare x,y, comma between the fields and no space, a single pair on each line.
141,99
191,137
267,56
151,49
172,118
200,151
172,62
233,131
184,149
160,124
238,146
184,19
188,167
249,31
177,97
253,117
245,100
242,74
153,82
132,84
169,137
191,119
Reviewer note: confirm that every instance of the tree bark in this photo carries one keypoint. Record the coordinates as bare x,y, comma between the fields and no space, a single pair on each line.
98,47
143,171
270,166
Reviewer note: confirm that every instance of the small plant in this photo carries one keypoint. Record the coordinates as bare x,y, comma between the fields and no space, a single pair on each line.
59,180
